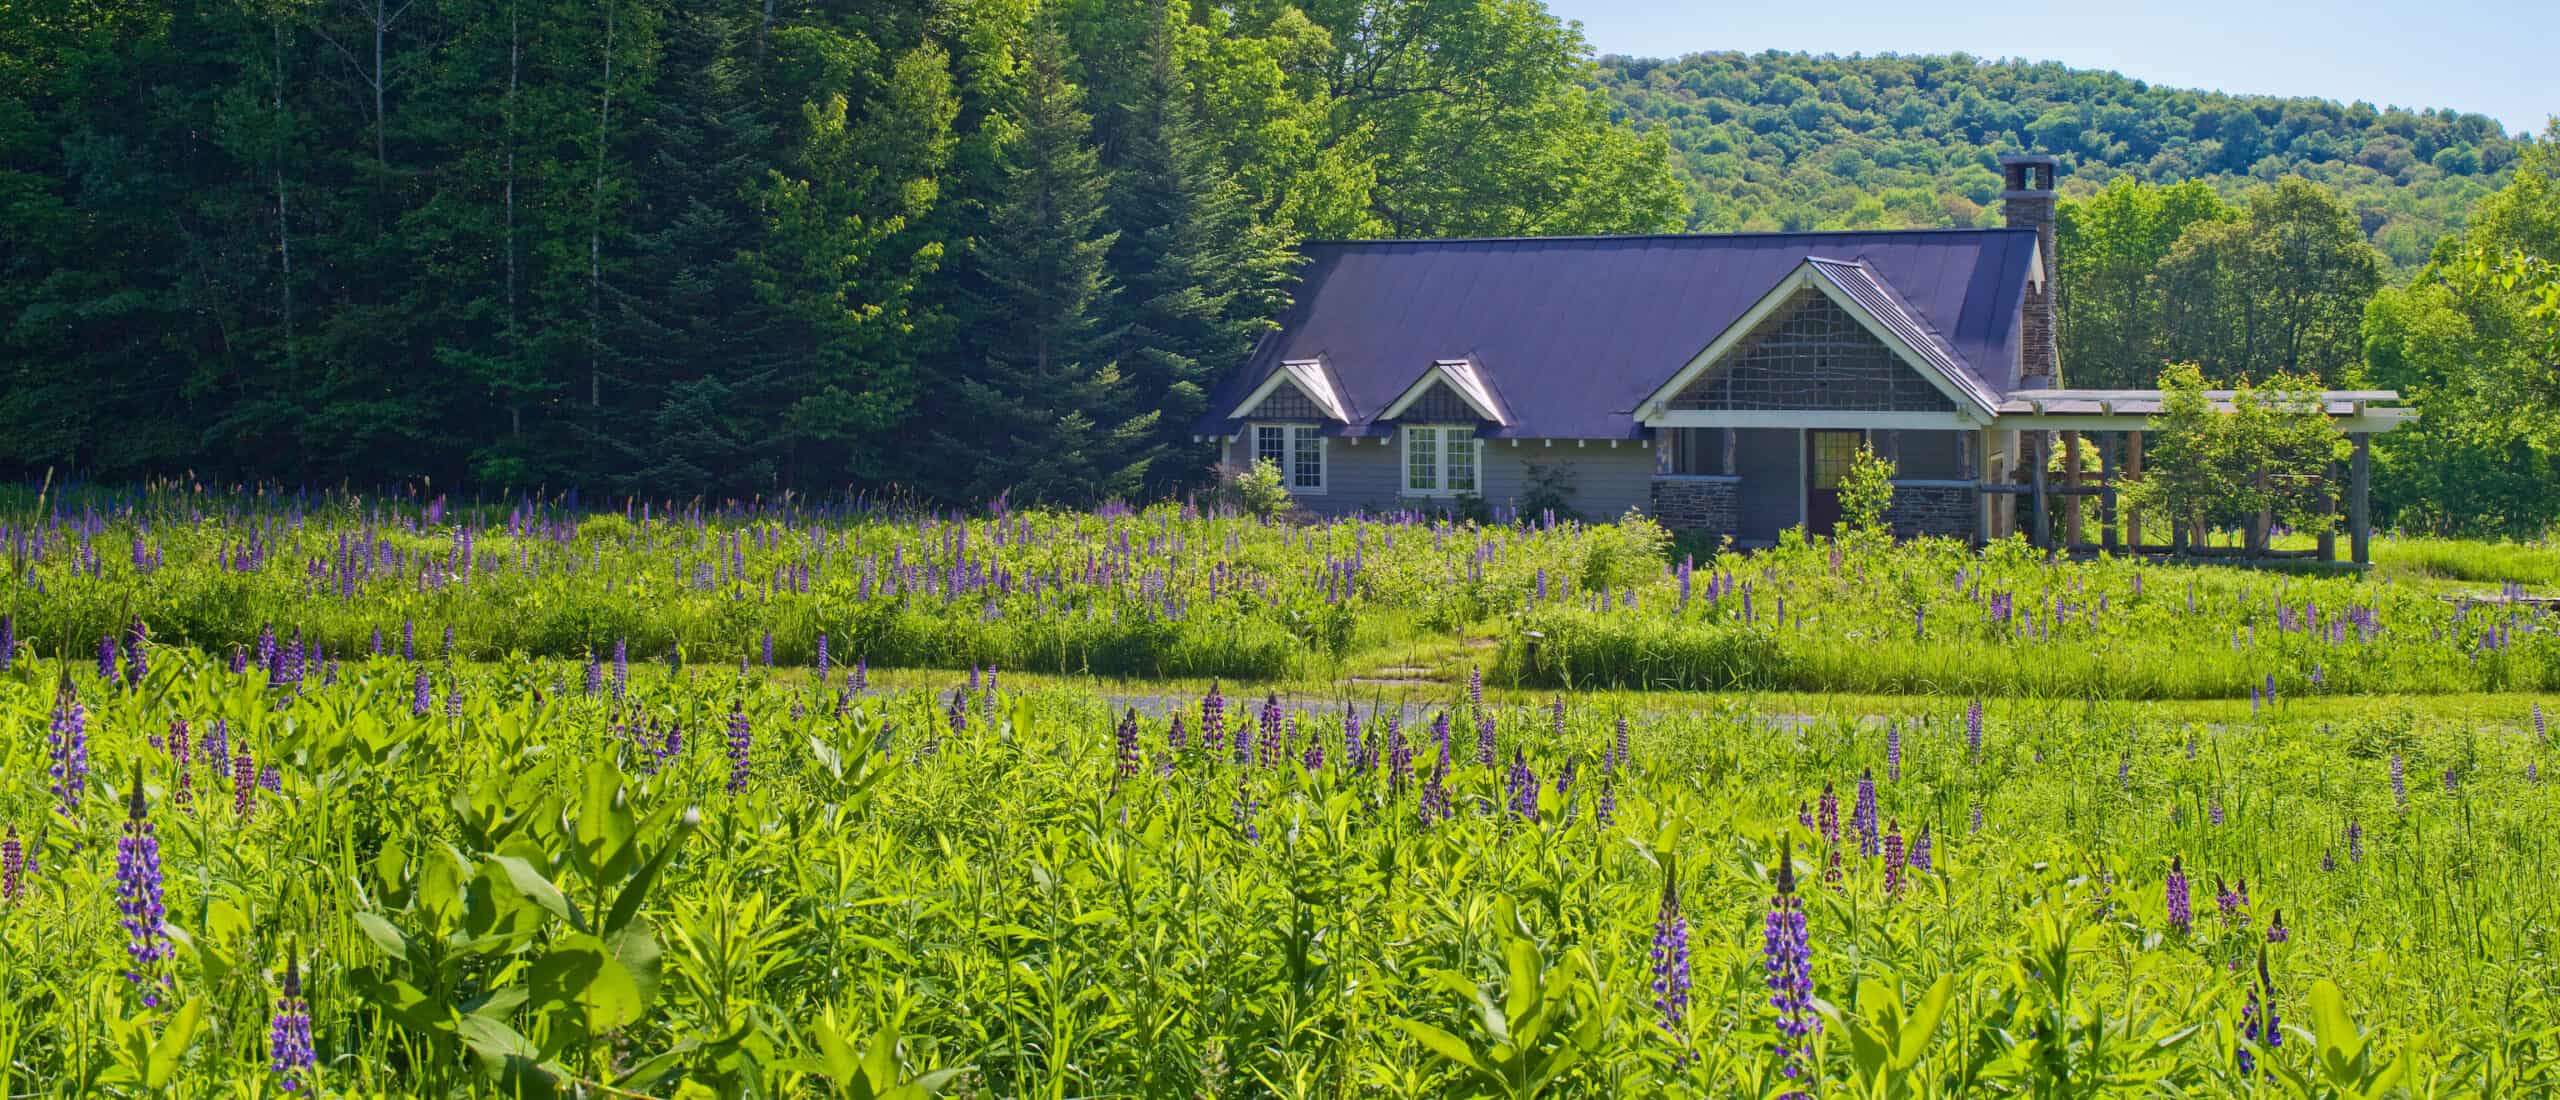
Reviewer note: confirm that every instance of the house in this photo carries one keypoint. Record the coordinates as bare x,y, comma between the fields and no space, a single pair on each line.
1720,382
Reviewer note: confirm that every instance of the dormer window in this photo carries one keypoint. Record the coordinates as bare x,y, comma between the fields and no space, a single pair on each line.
1442,460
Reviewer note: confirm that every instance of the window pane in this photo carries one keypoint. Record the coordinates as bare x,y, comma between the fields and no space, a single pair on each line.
1422,459
1270,444
1832,453
1307,462
1461,451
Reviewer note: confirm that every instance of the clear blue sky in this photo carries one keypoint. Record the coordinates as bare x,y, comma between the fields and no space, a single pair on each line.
2501,59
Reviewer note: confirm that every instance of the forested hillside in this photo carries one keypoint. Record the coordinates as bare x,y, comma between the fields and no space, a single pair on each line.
956,248
1796,141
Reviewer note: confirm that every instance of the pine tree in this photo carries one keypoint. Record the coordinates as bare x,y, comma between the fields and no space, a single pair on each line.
1049,416
1202,275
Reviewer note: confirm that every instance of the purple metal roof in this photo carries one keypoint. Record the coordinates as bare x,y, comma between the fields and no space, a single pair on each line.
1573,331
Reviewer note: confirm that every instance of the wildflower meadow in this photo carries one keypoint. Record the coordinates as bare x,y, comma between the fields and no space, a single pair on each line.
332,796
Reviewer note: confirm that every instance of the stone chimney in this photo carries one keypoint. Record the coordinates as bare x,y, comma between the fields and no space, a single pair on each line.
2026,202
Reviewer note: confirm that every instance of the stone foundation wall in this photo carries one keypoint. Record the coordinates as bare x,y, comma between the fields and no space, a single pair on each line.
1707,504
1937,509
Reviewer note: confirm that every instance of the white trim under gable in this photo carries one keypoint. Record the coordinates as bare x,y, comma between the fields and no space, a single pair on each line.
1654,409
1462,378
1311,377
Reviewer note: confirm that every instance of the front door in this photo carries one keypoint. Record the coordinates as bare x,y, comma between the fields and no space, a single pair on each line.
1827,458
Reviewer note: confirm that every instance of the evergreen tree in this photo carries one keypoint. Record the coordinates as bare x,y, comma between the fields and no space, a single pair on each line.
1201,276
1048,415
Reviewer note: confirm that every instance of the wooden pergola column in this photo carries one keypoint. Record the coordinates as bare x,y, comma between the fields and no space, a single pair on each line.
2043,537
2133,471
2360,503
2071,478
2107,497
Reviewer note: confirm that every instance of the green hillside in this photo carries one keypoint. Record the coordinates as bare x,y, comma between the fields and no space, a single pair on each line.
1781,140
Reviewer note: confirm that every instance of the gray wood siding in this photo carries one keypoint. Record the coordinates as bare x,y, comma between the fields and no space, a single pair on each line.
1606,480
1770,462
1369,475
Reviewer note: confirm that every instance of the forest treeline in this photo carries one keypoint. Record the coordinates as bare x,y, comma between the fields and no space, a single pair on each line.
957,246
961,249
1803,141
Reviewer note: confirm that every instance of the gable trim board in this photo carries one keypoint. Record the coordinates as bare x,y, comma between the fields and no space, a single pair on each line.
1855,289
1310,377
1462,379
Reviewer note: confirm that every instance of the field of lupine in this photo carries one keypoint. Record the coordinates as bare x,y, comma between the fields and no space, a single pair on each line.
327,797
1173,592
378,876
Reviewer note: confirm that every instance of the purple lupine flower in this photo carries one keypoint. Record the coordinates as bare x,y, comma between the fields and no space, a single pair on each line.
2328,859
1399,754
2124,770
1804,813
1434,803
1786,949
1977,817
1475,689
408,640
1830,816
68,743
1973,730
244,785
422,700
1270,735
1127,735
270,779
741,742
448,642
2260,1026
218,745
621,669
2540,733
1213,720
2181,917
1522,785
768,649
2355,841
1620,759
107,659
137,667
1484,740
138,895
1920,850
973,677
9,644
377,641
2233,901
1671,962
1893,751
13,868
1893,855
2450,781
1351,750
289,1050
453,700
2276,931
957,714
2213,810
1555,711
822,656
1608,804
1863,817
2399,783
595,674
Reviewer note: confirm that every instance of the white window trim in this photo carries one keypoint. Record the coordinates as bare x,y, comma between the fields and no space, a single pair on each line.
1289,455
1439,462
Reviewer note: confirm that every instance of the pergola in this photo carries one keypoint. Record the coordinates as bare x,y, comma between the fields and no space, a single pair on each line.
2121,416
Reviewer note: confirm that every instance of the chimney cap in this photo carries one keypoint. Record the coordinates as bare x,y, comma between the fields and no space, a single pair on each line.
2043,160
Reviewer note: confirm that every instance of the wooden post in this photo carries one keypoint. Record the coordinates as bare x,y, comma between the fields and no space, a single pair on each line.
2359,502
2041,537
2071,477
2107,497
2329,512
2133,470
1729,435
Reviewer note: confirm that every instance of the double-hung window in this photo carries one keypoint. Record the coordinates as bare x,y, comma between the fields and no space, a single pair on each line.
1297,449
1440,460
